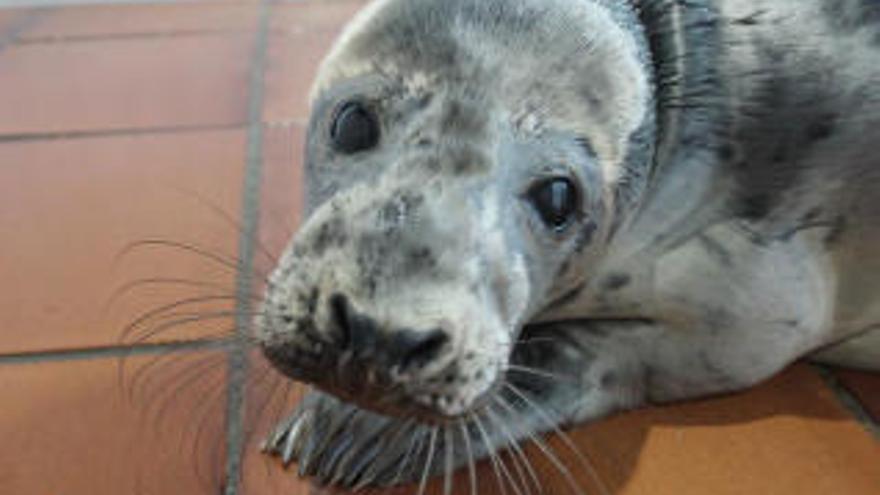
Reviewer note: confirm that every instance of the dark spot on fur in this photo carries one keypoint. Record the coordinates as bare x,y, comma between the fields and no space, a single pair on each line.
310,301
752,19
837,231
616,281
812,215
755,206
608,380
330,233
727,152
567,297
420,258
585,236
793,108
465,159
822,128
847,16
466,119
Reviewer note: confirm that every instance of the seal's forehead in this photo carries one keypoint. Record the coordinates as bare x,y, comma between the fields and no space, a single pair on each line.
536,57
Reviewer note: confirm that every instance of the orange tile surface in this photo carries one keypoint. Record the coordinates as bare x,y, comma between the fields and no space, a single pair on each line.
70,207
270,398
788,436
309,29
124,84
80,432
101,20
282,186
8,17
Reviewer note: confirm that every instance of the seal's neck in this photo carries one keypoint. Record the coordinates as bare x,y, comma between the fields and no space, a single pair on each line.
691,119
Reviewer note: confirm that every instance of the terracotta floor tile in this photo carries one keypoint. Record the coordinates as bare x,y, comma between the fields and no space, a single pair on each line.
787,437
865,386
73,429
313,15
270,398
124,84
8,17
309,29
69,208
282,189
111,20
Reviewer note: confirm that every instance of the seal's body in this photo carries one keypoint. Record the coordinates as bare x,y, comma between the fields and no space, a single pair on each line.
526,213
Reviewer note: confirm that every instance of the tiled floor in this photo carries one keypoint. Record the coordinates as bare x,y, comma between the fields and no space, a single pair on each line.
135,142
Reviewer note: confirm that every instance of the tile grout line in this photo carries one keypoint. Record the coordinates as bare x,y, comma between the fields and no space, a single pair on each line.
112,351
251,188
26,20
849,401
137,35
134,131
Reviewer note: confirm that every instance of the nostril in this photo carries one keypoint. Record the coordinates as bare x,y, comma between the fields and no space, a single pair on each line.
416,349
341,316
357,332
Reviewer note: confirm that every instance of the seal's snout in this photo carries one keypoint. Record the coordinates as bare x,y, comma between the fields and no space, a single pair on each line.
403,350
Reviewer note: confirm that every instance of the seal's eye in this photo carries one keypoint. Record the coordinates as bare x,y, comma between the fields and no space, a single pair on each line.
556,202
354,129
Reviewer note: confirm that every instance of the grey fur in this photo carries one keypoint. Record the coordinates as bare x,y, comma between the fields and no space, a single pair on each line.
729,224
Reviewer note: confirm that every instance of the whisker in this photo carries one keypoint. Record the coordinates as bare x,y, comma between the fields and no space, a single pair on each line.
165,281
226,261
428,461
254,383
548,453
372,471
411,452
211,403
188,378
133,325
142,374
472,469
177,319
503,466
492,456
519,455
448,444
540,373
585,462
237,225
535,340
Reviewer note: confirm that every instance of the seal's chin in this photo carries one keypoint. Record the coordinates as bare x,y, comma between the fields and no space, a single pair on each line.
344,439
443,396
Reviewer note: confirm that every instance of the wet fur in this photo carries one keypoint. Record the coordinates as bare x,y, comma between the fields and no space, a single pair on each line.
733,226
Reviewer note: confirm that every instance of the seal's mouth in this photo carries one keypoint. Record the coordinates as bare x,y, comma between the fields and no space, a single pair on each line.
432,393
337,441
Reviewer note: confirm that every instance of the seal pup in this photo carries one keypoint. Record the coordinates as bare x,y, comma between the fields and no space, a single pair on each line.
527,214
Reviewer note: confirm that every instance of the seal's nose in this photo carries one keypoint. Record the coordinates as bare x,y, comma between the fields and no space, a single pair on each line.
404,349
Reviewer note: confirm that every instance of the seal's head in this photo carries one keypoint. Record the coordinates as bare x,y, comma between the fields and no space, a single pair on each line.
466,160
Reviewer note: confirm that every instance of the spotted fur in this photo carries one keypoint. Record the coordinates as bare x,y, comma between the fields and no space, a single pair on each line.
728,224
